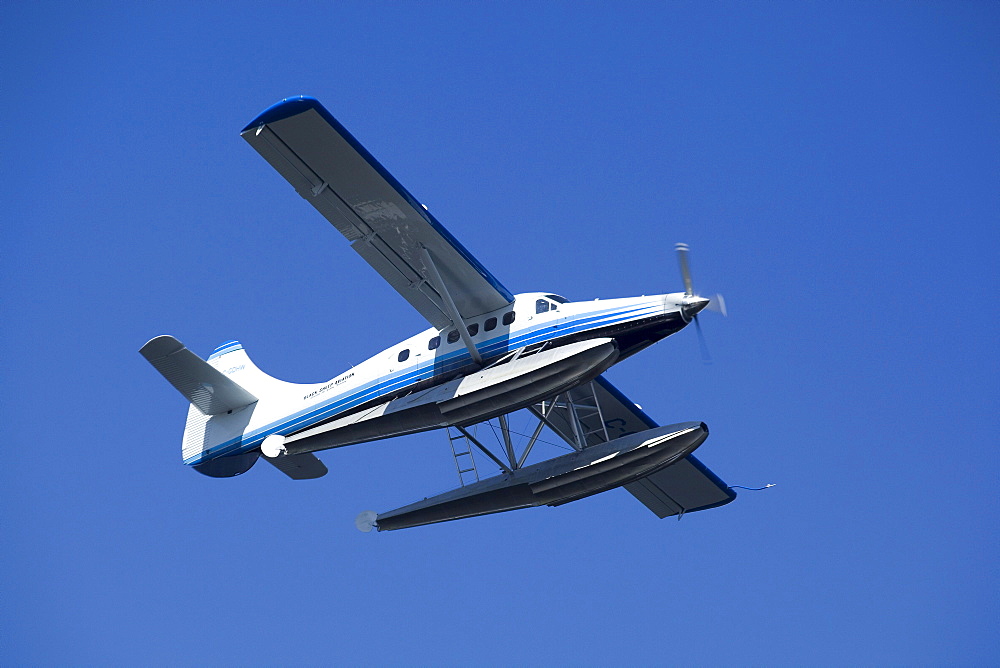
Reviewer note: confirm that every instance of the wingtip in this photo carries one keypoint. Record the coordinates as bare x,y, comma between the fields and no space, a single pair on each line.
290,106
160,346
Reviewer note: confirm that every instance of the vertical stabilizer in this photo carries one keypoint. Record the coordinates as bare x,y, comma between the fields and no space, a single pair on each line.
232,360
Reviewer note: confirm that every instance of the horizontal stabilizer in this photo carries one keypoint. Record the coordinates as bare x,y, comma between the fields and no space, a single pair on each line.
299,467
210,391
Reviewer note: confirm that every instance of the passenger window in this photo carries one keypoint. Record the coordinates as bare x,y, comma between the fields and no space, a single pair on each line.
473,329
403,355
434,343
490,324
508,318
541,306
453,336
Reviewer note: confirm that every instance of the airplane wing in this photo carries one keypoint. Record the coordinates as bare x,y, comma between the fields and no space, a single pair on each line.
386,225
683,487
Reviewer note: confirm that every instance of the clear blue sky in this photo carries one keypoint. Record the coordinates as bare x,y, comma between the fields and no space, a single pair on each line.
834,167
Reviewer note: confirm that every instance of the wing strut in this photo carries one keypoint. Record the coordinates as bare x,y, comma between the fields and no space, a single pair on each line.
449,303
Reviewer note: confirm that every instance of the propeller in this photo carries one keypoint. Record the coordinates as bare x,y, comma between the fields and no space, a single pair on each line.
693,303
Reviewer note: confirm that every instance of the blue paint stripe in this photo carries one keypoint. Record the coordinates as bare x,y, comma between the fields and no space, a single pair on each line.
227,347
387,385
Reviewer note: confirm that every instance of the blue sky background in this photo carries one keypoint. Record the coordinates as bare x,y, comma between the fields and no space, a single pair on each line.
834,167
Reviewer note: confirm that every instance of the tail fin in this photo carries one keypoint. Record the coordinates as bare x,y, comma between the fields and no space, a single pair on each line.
219,389
202,384
214,398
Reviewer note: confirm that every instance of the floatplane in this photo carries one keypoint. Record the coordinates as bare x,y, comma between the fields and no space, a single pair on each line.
486,354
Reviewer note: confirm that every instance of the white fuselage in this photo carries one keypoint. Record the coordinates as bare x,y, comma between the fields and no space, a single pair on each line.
428,359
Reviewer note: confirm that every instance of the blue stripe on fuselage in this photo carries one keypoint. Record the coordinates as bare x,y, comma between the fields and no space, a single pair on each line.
394,383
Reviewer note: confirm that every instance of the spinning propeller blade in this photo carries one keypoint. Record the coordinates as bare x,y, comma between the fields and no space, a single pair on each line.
682,259
706,357
717,303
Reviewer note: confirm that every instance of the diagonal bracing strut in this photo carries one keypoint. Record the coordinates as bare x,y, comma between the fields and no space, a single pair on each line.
449,303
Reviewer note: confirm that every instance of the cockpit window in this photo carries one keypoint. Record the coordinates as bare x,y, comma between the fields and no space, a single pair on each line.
434,343
557,299
541,306
453,336
403,355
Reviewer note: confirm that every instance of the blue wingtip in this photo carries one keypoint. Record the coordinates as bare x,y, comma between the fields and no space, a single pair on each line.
290,106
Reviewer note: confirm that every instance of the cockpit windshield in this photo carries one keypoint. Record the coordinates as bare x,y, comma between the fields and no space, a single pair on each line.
557,299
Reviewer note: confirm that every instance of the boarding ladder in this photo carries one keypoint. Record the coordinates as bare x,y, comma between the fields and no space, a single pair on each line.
465,463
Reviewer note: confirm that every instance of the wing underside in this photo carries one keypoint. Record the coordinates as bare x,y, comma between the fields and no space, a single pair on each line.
603,413
386,226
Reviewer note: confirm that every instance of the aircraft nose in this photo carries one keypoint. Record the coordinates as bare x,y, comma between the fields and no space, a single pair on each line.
693,305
